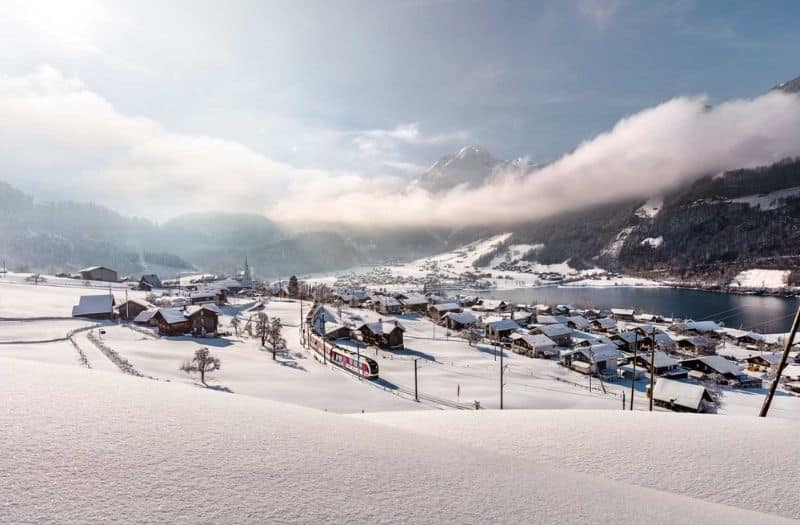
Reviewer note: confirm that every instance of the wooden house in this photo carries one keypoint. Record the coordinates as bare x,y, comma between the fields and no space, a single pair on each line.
764,360
95,307
681,396
559,333
171,321
131,308
437,311
99,273
534,345
500,329
598,360
382,334
551,319
413,302
578,322
204,319
663,364
386,304
622,314
604,324
459,320
150,282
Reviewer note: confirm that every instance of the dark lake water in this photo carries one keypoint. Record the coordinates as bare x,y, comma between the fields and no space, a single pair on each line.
750,312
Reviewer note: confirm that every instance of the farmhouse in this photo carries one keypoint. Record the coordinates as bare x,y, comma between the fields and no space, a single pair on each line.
171,321
717,365
414,302
764,360
437,311
681,397
150,282
622,314
386,304
538,345
663,364
131,308
204,319
592,360
500,329
559,333
95,307
382,334
99,273
604,324
459,320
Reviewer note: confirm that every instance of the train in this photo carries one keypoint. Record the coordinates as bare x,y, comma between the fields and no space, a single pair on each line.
362,365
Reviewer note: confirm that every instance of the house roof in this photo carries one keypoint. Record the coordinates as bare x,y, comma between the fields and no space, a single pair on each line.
194,309
701,326
555,330
660,359
153,280
717,363
382,327
462,317
145,315
503,324
629,337
94,304
144,304
773,358
537,340
387,300
445,307
622,311
579,321
172,315
414,299
687,395
598,352
93,268
752,335
551,319
605,322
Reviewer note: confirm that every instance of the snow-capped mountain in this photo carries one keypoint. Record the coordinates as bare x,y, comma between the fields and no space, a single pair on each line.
471,165
790,86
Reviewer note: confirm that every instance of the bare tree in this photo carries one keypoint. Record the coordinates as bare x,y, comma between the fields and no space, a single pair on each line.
203,363
262,327
274,338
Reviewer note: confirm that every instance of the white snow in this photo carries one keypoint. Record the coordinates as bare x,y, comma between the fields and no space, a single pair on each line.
615,246
761,278
650,208
654,242
769,201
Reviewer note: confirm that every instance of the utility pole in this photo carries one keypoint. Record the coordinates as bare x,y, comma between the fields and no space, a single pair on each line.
623,400
302,321
416,382
633,378
501,378
652,365
774,386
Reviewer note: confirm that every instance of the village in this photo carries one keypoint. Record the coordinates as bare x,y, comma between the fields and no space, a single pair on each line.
388,349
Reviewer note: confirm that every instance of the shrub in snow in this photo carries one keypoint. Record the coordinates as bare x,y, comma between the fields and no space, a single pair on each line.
203,363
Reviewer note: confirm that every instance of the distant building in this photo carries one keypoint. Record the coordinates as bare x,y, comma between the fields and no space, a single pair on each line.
622,314
682,397
534,345
149,282
437,311
593,360
383,334
500,329
459,320
171,321
131,308
99,273
95,307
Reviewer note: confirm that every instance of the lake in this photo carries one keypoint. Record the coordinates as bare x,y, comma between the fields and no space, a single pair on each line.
750,312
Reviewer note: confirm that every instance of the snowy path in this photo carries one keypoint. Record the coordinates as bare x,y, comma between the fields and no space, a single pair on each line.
97,360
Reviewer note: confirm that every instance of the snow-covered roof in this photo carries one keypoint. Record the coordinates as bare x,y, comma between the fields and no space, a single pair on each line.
629,337
145,315
445,307
660,359
551,319
191,310
718,364
382,327
172,315
387,300
622,311
579,321
701,326
555,330
605,322
773,358
537,340
139,302
599,352
503,324
414,299
687,395
462,317
93,305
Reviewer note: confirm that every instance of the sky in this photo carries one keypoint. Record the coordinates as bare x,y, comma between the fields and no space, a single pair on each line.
324,111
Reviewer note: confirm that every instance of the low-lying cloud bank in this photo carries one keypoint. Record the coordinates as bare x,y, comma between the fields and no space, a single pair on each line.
58,135
648,153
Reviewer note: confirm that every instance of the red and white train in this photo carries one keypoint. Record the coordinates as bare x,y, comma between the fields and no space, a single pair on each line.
342,357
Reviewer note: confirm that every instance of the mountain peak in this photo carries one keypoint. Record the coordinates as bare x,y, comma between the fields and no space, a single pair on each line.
791,86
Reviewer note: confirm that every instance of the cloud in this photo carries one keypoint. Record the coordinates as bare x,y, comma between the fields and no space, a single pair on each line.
651,152
382,141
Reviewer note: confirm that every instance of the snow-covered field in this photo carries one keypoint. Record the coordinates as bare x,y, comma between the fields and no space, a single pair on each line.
83,446
761,278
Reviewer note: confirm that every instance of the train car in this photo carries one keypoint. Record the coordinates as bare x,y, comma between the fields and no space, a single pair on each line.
344,358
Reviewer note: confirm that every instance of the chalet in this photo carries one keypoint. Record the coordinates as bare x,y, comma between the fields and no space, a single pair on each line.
131,308
538,345
319,318
622,314
649,318
437,311
717,365
171,321
99,273
681,397
604,324
696,345
145,317
386,304
551,319
492,305
564,309
591,313
578,322
764,360
150,282
500,329
559,333
598,360
413,302
207,295
459,320
337,331
663,364
382,334
706,328
204,319
629,339
580,338
522,318
542,309
95,307
750,338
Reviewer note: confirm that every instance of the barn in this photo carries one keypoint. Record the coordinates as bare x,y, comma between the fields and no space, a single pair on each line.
131,308
99,273
204,319
94,307
382,334
150,282
171,321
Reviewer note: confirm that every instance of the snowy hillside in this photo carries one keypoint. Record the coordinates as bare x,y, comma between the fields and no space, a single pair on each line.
148,451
